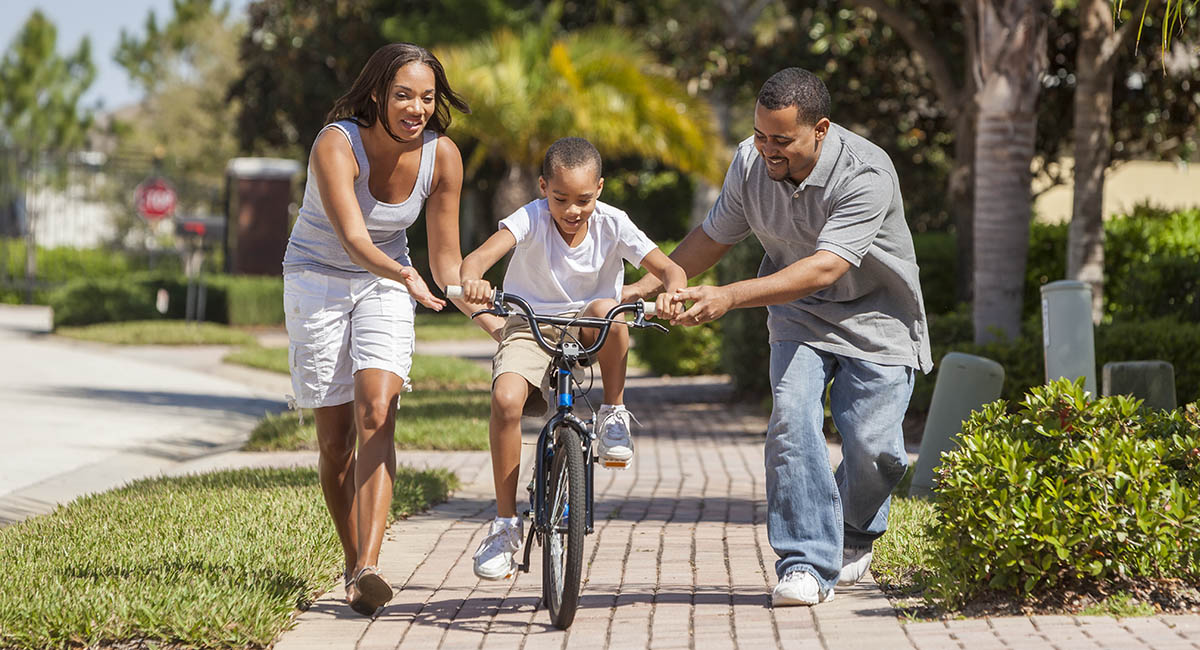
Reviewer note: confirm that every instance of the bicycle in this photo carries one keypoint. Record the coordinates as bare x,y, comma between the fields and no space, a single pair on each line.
561,494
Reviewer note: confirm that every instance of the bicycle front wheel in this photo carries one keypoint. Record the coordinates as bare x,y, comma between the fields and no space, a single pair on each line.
562,551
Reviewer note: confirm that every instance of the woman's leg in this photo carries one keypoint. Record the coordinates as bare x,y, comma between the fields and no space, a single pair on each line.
375,395
335,466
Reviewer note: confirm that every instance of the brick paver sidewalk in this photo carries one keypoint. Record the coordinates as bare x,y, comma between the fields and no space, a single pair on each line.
679,559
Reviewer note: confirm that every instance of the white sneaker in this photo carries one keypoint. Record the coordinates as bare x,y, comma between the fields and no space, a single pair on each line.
496,557
612,431
855,563
798,587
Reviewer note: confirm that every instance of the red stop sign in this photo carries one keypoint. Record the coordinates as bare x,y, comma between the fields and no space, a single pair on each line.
155,199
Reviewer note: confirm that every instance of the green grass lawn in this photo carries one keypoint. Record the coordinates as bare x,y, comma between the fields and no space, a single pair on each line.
448,409
444,419
451,325
902,556
158,332
212,560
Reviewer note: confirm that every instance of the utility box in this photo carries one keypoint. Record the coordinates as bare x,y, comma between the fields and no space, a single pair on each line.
1068,336
1153,382
965,382
259,198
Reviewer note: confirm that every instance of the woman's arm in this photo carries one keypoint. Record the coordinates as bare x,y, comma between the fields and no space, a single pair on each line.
334,167
441,224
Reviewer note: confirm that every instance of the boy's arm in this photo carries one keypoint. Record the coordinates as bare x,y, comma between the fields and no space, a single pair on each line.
695,255
476,290
673,278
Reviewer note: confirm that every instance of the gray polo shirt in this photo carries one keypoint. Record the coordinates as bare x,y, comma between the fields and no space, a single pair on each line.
849,205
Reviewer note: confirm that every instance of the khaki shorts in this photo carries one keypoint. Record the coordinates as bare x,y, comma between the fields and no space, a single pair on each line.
520,353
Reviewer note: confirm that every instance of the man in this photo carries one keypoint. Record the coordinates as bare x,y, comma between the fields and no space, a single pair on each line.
839,280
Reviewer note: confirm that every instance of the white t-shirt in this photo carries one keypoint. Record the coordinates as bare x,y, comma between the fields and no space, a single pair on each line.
557,279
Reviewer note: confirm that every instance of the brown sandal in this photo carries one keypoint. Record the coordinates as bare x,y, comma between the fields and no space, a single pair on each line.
373,591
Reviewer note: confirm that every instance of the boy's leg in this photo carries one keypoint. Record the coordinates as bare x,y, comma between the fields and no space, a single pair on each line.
613,356
615,445
509,392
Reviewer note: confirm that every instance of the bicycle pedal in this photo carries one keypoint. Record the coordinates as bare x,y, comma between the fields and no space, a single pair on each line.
616,464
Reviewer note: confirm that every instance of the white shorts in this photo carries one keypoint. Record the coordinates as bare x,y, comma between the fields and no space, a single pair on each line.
338,326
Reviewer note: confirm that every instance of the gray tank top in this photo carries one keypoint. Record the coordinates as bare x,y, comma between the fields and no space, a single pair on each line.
314,246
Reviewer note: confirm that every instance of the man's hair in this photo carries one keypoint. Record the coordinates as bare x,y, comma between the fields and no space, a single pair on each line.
799,88
569,153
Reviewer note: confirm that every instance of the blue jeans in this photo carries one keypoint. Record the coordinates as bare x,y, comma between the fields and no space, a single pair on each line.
813,512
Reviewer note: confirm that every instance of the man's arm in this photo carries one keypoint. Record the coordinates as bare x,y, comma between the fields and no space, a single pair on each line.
695,254
795,281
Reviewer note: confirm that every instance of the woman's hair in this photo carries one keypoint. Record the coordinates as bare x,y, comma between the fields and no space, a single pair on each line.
376,78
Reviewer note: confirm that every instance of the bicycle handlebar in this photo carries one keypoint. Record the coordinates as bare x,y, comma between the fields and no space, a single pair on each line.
500,300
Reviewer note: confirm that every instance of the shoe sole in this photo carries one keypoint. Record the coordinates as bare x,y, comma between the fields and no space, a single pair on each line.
373,592
500,576
796,602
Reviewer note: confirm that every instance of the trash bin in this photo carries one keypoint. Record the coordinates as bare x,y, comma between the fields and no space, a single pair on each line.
259,199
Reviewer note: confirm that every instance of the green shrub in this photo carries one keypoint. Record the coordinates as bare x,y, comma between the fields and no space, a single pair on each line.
745,351
684,350
251,299
57,266
101,300
937,257
1166,339
1067,489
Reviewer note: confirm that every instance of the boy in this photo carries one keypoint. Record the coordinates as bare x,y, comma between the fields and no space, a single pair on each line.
568,259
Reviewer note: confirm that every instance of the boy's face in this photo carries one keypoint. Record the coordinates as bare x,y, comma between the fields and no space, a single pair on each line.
572,194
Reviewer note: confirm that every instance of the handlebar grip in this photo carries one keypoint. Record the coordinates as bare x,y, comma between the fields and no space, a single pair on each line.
649,308
454,291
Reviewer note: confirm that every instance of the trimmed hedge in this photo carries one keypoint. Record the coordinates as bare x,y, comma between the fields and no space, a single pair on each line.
1067,489
233,300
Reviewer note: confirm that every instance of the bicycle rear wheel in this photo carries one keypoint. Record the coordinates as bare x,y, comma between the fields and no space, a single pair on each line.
566,514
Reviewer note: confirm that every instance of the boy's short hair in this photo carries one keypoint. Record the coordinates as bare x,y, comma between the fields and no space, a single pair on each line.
569,153
799,88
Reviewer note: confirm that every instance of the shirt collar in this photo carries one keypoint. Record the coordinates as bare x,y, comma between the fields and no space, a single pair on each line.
831,147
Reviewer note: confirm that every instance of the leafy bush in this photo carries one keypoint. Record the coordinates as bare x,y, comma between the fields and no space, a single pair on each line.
1066,489
745,351
685,350
250,299
101,300
57,266
937,257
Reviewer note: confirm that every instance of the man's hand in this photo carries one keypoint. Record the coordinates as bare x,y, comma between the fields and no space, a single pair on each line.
419,290
708,303
477,292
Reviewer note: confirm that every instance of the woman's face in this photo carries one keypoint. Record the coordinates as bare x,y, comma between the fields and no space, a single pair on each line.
410,101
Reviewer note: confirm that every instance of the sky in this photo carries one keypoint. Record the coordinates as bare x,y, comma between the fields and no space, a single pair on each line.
102,20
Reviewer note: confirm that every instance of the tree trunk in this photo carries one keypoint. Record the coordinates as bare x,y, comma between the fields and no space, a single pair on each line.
1010,60
1093,132
960,190
518,188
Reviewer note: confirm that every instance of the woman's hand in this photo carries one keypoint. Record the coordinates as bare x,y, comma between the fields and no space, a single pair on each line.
419,290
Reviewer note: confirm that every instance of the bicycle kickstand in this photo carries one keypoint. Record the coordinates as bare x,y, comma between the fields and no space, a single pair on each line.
524,565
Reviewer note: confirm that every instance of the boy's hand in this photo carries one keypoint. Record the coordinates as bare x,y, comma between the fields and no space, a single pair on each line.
418,289
708,303
477,292
667,307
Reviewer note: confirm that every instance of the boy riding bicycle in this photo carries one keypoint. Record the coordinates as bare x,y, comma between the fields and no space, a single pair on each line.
568,259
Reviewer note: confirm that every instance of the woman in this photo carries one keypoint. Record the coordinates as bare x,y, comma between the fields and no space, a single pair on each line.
350,290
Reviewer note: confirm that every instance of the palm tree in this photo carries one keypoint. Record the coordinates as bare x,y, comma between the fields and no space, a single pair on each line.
528,89
1010,57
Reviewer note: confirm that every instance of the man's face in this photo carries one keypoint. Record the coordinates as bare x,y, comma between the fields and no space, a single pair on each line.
789,149
571,195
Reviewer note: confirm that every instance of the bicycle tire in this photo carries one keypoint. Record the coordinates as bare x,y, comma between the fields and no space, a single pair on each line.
562,550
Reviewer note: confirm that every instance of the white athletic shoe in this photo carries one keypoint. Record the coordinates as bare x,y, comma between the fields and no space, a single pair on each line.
855,563
798,587
496,558
612,432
